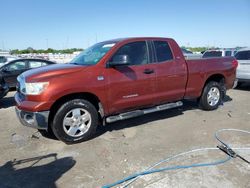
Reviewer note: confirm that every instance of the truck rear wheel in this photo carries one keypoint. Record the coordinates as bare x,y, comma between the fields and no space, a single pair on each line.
75,121
211,96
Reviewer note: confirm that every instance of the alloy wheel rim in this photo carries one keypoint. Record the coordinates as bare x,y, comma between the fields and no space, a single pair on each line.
213,96
76,122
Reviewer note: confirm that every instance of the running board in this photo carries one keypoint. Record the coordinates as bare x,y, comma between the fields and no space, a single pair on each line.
136,113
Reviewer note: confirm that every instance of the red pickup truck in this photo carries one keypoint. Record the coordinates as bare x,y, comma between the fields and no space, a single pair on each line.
116,80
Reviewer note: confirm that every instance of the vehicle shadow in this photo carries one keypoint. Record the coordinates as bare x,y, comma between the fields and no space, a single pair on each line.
34,175
7,102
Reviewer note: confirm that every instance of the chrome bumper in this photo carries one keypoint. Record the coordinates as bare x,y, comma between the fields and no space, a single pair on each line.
235,83
37,120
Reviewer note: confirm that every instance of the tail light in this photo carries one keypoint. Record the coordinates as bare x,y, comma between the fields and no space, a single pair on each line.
235,63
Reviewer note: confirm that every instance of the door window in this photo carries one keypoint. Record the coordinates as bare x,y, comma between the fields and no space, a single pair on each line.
163,51
35,64
18,65
243,55
136,51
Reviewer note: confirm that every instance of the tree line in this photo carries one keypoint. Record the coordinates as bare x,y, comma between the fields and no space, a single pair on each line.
49,50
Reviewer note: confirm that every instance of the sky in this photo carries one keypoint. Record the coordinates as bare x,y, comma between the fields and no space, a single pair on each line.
60,24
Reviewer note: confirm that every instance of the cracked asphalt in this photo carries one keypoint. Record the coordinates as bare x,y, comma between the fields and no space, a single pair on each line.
29,159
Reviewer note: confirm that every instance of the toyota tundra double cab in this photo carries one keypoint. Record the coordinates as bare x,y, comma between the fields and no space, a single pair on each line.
115,80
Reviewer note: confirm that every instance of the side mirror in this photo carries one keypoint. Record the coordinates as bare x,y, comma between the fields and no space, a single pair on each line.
119,60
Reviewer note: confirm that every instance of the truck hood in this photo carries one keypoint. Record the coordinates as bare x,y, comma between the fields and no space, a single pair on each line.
50,71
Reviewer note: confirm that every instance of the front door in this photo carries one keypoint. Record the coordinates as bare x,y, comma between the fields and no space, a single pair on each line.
132,86
12,70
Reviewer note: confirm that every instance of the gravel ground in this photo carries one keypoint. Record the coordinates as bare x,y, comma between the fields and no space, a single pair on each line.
29,159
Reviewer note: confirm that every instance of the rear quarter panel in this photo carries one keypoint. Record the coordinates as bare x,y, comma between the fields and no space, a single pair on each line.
201,70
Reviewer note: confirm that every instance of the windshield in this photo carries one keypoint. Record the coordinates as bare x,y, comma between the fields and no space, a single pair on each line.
93,54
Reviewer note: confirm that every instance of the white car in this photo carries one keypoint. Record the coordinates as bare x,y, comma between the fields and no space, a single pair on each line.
190,55
5,59
219,53
243,69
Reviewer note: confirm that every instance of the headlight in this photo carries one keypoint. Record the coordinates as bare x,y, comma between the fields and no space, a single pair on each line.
35,88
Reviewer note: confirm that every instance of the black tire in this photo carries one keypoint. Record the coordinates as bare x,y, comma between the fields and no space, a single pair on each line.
239,84
204,102
57,125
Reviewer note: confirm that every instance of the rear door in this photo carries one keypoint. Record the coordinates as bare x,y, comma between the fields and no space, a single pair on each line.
171,73
132,86
12,70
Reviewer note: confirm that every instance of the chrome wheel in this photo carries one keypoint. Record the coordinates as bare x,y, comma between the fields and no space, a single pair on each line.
77,122
213,96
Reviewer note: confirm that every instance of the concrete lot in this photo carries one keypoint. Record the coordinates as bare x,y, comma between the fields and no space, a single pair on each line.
29,159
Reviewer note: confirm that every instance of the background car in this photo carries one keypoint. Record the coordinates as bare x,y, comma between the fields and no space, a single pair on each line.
219,53
4,59
190,55
243,69
11,70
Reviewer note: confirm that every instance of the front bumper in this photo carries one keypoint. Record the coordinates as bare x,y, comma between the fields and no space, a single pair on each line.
38,120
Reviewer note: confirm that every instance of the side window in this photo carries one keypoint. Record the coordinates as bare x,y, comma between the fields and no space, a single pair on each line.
35,64
18,65
228,53
136,51
242,55
163,51
44,64
248,55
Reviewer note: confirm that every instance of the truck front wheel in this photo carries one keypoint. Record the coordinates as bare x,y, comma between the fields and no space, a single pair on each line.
211,96
75,121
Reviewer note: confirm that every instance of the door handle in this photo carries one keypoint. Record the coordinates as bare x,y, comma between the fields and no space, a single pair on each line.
148,71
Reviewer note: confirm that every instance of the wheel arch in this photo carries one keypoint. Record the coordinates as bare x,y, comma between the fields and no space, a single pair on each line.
92,98
218,77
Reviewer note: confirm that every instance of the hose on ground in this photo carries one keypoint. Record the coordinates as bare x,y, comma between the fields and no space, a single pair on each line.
152,169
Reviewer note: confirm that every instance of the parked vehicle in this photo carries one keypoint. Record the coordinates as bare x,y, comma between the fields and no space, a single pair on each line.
10,71
190,55
117,80
243,70
4,59
219,53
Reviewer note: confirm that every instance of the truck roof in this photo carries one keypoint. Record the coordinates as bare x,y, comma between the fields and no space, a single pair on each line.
136,38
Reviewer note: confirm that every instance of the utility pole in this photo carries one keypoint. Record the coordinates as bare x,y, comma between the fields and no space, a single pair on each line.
47,42
95,38
67,42
3,45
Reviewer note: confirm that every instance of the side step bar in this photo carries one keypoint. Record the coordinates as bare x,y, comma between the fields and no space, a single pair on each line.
136,113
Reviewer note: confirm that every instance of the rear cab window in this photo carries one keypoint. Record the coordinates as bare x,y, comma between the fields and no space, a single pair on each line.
163,51
212,54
